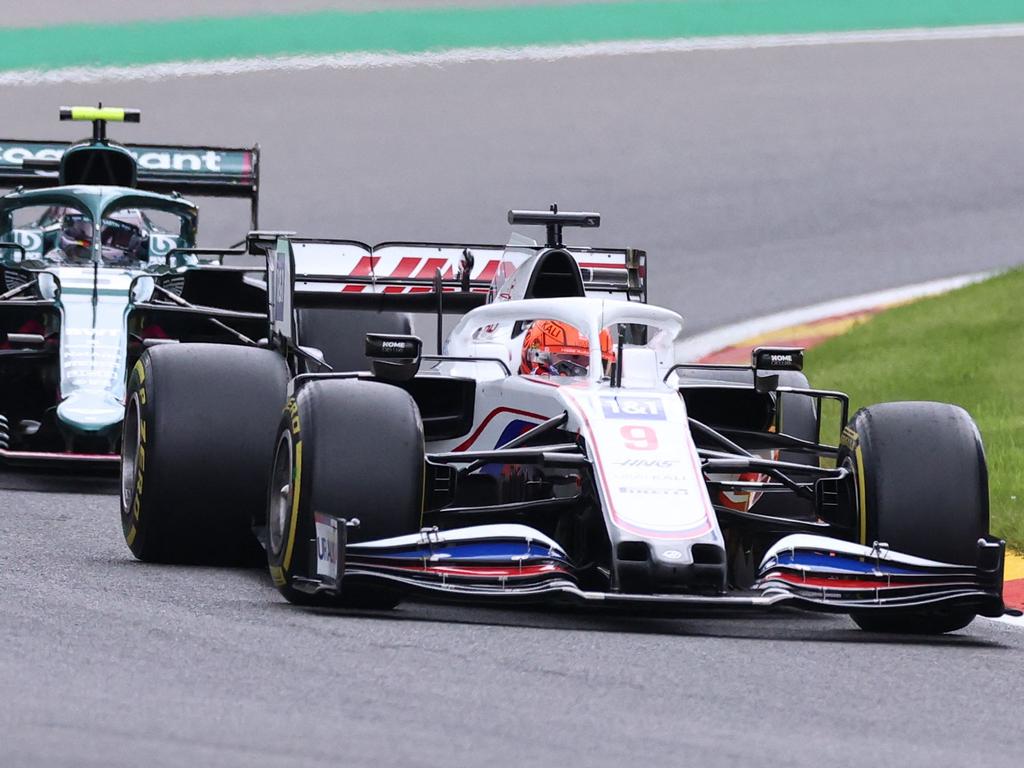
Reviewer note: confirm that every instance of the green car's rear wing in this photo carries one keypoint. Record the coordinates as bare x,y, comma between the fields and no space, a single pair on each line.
191,171
187,170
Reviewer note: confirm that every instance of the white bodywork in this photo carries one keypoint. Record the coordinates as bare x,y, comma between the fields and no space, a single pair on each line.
648,473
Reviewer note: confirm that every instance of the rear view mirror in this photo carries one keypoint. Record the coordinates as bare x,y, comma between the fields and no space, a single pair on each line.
778,359
393,357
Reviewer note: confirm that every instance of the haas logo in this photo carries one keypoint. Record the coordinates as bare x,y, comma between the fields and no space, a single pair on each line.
648,463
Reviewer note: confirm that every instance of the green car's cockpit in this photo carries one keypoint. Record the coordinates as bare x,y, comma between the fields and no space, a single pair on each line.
123,242
82,225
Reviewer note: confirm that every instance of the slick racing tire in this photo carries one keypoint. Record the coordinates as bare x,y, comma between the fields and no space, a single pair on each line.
350,449
198,438
921,488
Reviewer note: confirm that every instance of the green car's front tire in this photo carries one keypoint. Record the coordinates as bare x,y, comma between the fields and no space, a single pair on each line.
198,438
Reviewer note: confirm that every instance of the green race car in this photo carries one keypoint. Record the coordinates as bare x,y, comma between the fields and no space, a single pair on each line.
93,235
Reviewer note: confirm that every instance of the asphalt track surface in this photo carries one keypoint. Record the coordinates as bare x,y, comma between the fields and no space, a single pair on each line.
757,180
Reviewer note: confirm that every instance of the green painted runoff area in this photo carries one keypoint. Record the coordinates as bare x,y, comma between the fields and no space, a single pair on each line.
414,30
965,347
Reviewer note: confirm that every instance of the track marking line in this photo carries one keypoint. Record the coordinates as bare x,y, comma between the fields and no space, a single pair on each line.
536,53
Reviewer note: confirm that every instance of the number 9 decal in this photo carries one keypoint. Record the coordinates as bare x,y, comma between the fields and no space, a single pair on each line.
639,438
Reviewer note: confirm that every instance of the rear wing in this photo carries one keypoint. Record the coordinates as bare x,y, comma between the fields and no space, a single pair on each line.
191,171
441,278
401,275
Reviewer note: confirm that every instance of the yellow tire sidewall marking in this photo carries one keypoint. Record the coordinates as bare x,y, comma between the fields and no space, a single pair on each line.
861,496
296,489
277,574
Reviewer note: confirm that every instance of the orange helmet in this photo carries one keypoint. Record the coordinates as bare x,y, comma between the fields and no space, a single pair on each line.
557,349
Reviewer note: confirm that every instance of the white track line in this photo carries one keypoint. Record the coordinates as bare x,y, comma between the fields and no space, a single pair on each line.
703,344
81,75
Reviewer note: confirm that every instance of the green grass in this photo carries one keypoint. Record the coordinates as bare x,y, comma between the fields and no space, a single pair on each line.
966,347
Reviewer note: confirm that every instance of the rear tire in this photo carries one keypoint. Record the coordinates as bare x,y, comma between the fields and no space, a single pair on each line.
197,439
922,489
351,449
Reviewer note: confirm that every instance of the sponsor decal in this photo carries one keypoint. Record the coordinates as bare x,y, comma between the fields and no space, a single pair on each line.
672,554
277,281
777,359
208,161
161,245
849,438
398,348
646,479
648,463
326,547
17,155
30,240
633,491
292,409
199,161
395,347
644,408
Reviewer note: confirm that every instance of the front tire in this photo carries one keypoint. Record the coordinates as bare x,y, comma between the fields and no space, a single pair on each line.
922,488
350,449
197,438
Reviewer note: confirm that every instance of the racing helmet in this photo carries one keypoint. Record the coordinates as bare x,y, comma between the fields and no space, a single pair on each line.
122,238
554,348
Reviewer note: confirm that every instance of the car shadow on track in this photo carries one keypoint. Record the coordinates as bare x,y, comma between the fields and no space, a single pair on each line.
51,481
777,625
780,624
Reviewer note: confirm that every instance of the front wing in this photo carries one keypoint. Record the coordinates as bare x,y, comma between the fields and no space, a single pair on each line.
516,563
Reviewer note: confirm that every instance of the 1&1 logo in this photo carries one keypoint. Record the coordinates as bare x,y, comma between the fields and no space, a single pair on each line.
649,408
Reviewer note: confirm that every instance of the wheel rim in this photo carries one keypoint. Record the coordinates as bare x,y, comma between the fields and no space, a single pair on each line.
130,444
280,494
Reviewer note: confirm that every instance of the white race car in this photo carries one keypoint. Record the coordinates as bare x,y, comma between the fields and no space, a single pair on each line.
555,451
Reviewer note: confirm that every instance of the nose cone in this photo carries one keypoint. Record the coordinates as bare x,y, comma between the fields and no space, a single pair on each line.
90,412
